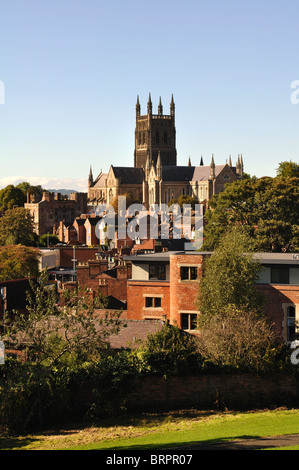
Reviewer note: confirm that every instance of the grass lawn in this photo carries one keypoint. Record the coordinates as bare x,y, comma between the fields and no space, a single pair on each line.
154,431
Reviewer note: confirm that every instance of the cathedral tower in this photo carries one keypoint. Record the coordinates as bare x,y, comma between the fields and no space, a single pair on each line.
154,134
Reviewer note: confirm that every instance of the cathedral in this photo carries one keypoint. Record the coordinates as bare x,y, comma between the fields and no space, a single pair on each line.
155,177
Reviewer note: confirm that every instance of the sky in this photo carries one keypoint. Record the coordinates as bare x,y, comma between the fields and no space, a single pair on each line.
71,70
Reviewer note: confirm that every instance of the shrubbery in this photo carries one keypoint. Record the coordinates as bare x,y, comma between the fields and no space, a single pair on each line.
34,396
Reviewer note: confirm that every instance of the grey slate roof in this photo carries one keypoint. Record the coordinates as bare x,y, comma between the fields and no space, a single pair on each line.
189,173
100,180
129,175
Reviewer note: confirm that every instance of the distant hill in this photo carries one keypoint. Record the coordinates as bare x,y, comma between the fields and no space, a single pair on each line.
63,191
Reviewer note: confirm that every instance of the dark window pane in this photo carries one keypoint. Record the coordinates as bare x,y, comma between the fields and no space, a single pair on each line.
193,321
280,275
157,271
185,321
184,272
291,312
291,329
153,302
193,272
189,321
148,302
188,273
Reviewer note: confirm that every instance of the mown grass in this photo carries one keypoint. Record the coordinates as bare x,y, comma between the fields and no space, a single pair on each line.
165,430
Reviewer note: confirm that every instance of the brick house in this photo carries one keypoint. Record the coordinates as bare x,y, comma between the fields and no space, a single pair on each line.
107,277
90,227
66,232
165,285
48,211
80,230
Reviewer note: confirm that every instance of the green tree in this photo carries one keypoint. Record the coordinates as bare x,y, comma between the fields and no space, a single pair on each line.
169,352
229,277
130,199
56,336
237,339
17,227
46,239
17,261
267,208
288,169
31,189
184,199
11,197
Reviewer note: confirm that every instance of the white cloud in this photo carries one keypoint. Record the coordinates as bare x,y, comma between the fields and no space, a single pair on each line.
78,184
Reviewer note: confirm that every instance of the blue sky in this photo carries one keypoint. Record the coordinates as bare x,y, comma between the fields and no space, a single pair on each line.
72,70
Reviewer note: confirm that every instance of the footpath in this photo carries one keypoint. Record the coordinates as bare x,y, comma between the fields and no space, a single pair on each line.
246,443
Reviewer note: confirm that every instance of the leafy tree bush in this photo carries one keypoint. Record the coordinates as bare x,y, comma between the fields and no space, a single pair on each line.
17,261
267,208
31,396
11,196
34,396
169,352
17,227
54,336
237,340
111,379
48,238
229,276
288,169
184,199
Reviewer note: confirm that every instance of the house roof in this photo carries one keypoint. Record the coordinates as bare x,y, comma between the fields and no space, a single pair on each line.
177,173
264,258
189,173
278,258
202,173
160,256
129,175
80,221
133,332
100,180
92,220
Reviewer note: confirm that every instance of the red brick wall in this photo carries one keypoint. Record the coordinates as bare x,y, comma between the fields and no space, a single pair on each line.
183,293
115,287
136,293
92,275
180,296
211,391
83,254
276,296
